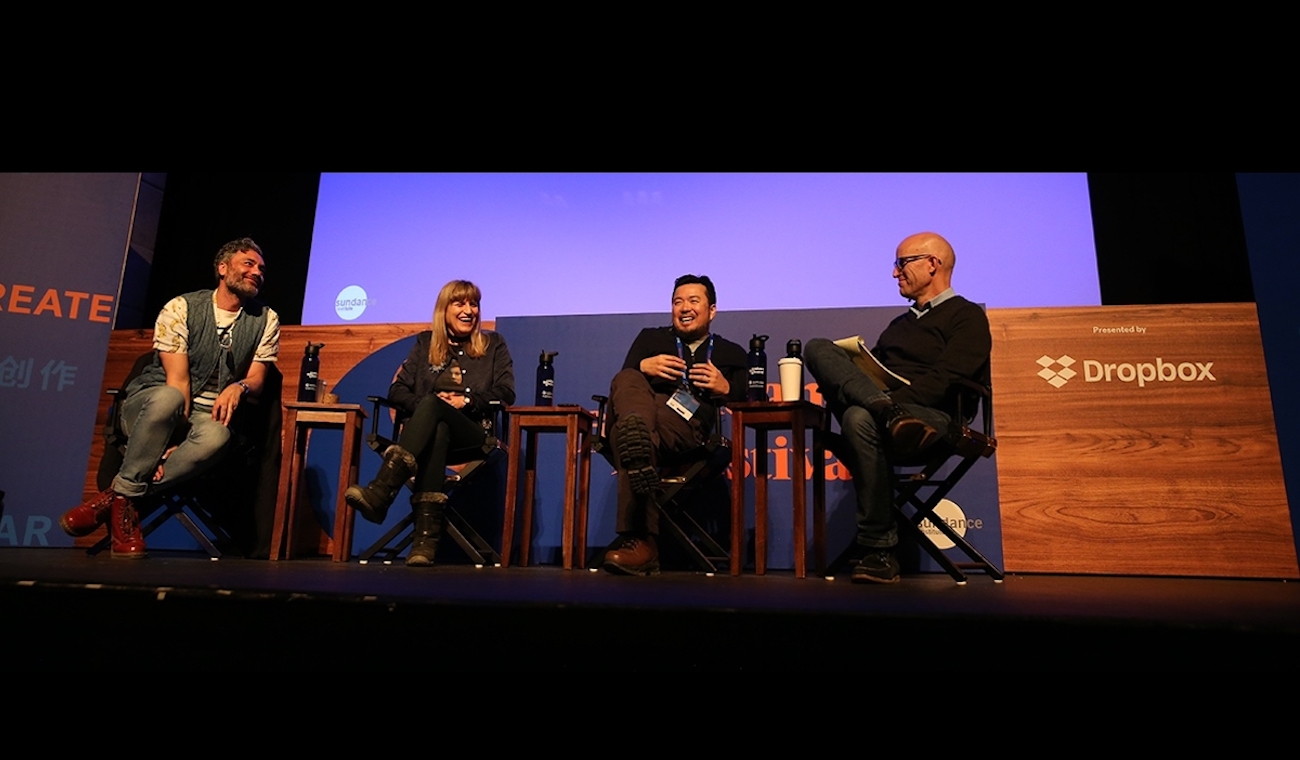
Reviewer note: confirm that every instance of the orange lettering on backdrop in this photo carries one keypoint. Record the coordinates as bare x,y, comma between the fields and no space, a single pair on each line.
782,455
77,297
101,303
49,302
2,295
19,297
836,469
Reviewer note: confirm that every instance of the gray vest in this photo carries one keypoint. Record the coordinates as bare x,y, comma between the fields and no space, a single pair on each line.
204,352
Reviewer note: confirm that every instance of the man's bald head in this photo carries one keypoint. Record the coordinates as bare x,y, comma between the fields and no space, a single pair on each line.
926,266
930,243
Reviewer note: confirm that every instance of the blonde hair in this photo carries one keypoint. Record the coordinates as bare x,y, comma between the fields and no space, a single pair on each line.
440,346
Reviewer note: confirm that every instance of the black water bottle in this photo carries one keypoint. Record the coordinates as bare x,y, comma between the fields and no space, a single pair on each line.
546,379
309,377
758,368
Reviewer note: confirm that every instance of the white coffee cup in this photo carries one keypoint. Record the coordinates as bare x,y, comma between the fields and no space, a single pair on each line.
791,378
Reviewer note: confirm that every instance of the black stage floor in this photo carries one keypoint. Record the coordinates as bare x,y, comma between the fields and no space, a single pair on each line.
180,611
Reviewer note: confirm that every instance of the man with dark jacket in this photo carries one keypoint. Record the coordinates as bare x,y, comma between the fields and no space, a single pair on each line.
941,339
660,404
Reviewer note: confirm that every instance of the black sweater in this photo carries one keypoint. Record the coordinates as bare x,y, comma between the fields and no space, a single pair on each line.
951,341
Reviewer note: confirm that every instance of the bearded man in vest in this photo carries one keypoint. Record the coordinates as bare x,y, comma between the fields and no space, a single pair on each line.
211,348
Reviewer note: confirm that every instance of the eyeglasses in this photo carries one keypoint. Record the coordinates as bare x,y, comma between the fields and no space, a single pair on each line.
901,264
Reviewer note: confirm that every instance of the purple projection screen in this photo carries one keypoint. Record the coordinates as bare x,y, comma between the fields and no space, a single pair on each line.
555,244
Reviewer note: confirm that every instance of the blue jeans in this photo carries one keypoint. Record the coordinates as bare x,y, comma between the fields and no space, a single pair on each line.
849,393
150,419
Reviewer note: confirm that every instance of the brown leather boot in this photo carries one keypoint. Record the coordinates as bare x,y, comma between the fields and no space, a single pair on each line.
633,556
128,541
84,519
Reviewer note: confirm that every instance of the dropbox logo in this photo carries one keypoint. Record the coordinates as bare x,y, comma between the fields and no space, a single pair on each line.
1142,373
350,303
1056,377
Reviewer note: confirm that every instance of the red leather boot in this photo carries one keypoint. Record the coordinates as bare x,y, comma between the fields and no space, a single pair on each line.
83,520
128,541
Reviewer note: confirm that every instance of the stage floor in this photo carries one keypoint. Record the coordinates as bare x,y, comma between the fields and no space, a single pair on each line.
187,612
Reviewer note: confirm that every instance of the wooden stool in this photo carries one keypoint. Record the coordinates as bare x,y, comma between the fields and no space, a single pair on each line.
575,423
300,418
763,416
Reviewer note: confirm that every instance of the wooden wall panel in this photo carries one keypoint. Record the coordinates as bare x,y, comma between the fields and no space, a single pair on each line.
1163,477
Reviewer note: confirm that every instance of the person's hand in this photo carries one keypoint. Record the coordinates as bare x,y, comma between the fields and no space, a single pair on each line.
158,474
708,377
667,366
457,400
227,403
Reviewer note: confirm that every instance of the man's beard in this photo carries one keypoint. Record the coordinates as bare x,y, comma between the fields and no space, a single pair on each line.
241,287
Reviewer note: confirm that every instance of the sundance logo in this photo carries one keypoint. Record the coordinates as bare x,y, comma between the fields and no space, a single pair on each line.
955,518
351,302
1142,372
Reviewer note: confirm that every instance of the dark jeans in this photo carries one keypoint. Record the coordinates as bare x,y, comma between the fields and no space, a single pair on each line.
436,435
849,392
630,392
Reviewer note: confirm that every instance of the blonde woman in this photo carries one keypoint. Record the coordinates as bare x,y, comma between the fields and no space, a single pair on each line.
445,385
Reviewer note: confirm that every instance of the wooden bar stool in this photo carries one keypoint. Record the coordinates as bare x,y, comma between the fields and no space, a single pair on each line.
764,416
575,422
300,418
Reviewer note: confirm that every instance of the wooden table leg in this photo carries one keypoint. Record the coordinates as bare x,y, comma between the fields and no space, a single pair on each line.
584,492
760,502
737,492
571,449
530,495
285,494
512,492
819,500
799,502
349,463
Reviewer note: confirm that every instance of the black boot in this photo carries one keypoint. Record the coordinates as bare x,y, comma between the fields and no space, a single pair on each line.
427,506
373,501
908,434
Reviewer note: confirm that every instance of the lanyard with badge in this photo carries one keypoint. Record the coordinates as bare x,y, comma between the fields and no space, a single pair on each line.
683,401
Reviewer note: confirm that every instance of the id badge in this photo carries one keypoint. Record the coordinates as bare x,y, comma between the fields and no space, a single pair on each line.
684,404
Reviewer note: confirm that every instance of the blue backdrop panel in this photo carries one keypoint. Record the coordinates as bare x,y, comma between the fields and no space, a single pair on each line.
65,238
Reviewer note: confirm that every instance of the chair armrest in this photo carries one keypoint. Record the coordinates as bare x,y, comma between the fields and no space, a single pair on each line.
500,421
983,394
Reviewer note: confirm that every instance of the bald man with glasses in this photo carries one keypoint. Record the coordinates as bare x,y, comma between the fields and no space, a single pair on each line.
941,339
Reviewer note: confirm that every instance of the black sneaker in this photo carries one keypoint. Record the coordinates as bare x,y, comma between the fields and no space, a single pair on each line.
876,566
635,453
